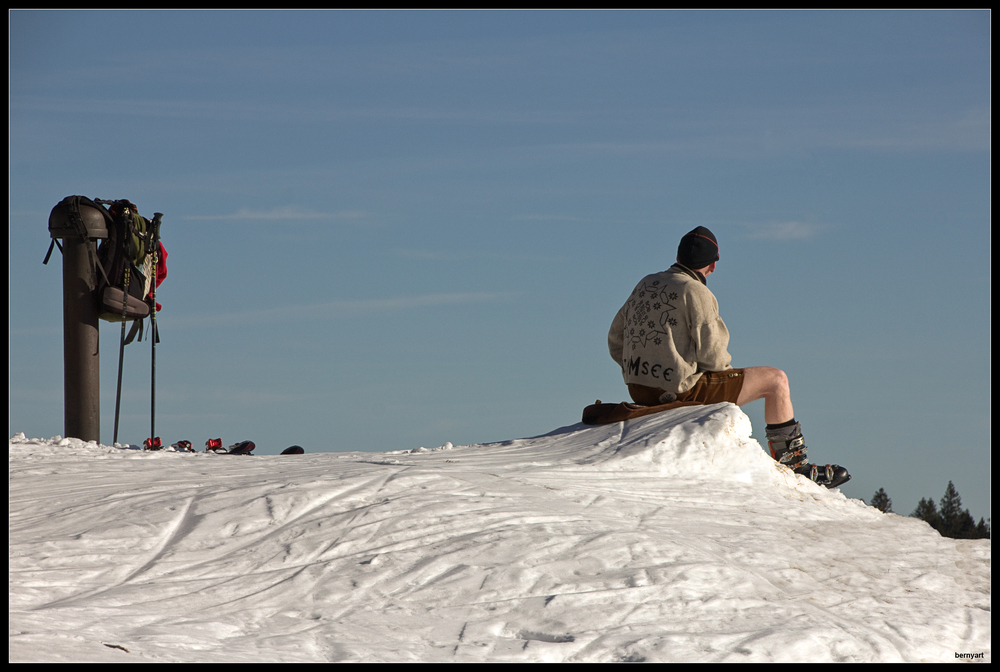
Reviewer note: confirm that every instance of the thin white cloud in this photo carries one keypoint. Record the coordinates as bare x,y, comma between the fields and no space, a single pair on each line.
547,218
766,132
458,255
284,213
749,133
335,309
782,230
432,255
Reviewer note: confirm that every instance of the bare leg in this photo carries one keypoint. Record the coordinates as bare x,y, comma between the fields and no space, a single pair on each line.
771,385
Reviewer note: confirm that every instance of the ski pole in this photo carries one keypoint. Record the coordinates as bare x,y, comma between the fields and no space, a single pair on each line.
156,333
121,358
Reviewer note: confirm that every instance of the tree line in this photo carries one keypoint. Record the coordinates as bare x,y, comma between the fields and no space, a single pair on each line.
949,519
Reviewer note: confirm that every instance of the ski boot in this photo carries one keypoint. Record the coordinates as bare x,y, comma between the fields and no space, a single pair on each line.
829,475
789,448
214,446
242,448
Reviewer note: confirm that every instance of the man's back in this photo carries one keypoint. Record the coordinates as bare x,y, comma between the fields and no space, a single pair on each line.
669,332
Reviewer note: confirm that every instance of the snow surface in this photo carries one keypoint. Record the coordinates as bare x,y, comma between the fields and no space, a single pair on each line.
668,538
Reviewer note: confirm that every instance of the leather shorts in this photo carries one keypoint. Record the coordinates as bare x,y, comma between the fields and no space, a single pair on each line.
712,388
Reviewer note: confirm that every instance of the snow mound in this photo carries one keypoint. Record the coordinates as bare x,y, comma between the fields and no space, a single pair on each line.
704,442
668,538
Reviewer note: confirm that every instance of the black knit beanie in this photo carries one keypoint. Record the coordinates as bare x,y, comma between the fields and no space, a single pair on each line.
698,248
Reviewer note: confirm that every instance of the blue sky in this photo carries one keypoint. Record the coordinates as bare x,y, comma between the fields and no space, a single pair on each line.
394,229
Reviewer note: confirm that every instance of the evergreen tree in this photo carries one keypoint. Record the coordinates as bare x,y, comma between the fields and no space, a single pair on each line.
964,527
951,520
951,512
882,502
927,512
983,530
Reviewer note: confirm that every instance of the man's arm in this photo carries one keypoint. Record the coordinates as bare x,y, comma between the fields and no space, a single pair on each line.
713,342
711,337
616,337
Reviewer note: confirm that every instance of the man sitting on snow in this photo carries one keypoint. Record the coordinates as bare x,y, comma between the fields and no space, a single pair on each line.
672,345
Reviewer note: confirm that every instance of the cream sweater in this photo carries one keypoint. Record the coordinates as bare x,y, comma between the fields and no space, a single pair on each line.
669,332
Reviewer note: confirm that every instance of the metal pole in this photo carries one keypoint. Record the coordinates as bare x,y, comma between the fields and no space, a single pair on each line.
155,225
81,342
152,372
118,393
121,360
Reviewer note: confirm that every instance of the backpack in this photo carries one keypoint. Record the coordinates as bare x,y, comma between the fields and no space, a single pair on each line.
123,259
127,263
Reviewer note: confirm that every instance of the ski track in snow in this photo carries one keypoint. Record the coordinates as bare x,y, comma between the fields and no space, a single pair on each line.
668,538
